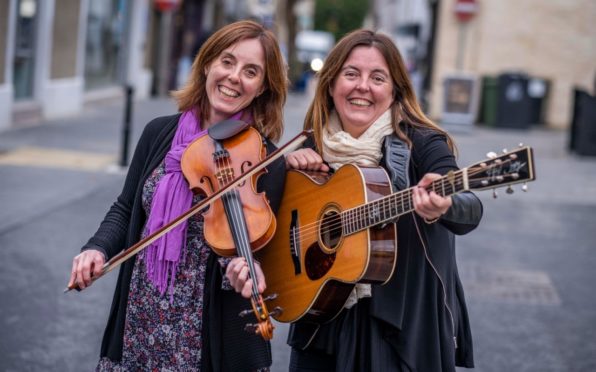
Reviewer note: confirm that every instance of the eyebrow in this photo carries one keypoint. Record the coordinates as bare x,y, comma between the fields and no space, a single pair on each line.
230,55
379,70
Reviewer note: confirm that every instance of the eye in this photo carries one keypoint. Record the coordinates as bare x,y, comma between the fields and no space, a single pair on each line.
226,61
251,72
350,74
379,79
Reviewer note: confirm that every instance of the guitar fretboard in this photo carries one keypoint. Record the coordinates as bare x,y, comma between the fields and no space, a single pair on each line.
397,204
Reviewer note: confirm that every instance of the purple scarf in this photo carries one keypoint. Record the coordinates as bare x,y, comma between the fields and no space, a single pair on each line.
171,198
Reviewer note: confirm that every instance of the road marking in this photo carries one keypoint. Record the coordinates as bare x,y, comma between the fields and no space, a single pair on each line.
57,158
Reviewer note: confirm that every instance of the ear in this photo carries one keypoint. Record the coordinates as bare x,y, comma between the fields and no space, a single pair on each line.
262,90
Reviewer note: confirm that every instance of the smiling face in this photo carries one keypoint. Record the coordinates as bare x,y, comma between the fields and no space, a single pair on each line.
234,79
363,89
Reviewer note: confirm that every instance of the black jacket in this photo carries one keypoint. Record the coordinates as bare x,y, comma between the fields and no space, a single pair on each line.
122,227
412,302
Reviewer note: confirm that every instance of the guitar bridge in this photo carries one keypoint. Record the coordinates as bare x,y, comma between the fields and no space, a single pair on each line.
295,243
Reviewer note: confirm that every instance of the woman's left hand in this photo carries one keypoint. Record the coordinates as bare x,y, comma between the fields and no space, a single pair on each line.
237,273
428,204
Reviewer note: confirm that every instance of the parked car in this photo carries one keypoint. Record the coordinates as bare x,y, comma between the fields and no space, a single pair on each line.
312,47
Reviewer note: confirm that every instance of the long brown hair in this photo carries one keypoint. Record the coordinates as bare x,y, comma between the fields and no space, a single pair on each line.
405,107
267,108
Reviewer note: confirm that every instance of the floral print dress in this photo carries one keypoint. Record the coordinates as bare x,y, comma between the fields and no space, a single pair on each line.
160,335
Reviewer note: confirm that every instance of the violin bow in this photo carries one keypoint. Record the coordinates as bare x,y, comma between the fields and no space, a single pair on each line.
144,243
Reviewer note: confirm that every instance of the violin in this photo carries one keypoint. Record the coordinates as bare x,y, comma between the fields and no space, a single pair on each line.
126,254
241,221
209,164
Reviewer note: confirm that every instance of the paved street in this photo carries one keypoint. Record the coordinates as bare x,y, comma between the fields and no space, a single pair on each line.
527,270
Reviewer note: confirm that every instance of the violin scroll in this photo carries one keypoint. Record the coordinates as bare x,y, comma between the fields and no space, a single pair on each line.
263,327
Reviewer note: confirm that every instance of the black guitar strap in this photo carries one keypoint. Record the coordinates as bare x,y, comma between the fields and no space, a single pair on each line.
397,161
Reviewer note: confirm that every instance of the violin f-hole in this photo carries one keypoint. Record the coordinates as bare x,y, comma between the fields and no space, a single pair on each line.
207,180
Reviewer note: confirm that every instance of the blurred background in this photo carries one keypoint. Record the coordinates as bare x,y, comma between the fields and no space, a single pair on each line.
496,63
79,79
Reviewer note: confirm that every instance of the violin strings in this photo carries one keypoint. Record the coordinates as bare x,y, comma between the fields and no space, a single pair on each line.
237,216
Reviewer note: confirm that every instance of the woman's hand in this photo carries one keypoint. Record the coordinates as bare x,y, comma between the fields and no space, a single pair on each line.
237,274
85,266
429,205
306,159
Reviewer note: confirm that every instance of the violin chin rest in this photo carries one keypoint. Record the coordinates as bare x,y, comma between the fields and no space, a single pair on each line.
226,129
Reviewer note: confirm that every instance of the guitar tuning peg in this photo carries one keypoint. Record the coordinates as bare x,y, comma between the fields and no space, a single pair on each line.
521,144
495,195
525,187
509,190
491,155
504,151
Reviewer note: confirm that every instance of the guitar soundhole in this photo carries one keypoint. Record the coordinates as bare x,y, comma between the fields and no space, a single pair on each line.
320,258
331,229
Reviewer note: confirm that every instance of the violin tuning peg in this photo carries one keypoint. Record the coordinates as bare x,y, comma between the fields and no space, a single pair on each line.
276,311
251,327
272,296
244,313
509,190
525,187
495,195
491,155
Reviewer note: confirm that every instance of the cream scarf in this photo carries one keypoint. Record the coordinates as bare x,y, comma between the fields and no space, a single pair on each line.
340,148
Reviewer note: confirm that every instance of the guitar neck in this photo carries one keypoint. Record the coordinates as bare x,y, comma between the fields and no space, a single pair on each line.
397,204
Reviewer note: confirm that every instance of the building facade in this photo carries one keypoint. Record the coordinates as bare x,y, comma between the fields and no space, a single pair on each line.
57,54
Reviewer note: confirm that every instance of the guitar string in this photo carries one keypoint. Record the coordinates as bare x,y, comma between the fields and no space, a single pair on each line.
390,199
386,205
359,218
386,201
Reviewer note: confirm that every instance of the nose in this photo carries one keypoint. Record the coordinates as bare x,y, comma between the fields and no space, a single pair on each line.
234,75
363,85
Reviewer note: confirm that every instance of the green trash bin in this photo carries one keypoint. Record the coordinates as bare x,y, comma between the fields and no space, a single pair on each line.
488,110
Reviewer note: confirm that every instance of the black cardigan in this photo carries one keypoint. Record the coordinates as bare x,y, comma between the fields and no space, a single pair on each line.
411,302
122,227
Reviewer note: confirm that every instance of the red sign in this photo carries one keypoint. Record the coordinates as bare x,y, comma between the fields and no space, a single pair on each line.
165,5
465,9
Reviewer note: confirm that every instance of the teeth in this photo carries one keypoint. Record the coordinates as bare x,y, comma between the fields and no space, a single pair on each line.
228,92
359,102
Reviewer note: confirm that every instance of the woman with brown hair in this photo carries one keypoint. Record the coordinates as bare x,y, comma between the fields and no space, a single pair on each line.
365,112
171,309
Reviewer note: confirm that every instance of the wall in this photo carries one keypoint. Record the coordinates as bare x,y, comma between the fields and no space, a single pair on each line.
554,39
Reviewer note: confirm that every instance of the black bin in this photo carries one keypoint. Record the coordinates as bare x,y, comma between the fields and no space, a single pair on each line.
538,92
583,125
514,107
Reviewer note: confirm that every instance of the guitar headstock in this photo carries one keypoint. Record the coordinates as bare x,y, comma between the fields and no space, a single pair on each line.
512,167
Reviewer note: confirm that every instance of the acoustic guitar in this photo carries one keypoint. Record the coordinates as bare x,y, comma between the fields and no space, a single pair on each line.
336,231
